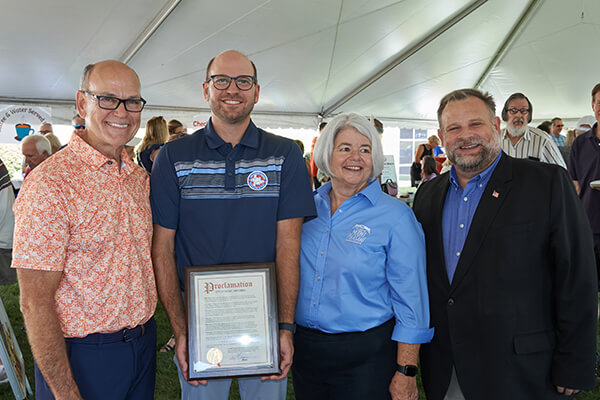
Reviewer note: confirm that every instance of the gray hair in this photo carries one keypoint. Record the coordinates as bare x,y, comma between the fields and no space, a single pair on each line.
41,143
325,143
85,77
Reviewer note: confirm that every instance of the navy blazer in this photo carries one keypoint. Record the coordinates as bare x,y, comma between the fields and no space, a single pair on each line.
520,314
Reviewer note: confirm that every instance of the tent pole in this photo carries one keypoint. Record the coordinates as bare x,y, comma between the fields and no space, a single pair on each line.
509,40
143,37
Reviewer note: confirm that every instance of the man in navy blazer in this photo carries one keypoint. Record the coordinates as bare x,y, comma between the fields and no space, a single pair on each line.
510,268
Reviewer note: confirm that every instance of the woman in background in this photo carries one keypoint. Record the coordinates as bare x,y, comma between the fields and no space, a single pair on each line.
429,168
176,130
155,137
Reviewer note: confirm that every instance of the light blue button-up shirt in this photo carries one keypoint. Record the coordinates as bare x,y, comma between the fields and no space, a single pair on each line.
362,266
459,208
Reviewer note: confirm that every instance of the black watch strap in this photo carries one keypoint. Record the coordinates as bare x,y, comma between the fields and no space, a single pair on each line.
408,370
287,327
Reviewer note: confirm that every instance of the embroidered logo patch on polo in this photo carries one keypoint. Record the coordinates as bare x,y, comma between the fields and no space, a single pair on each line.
359,234
257,180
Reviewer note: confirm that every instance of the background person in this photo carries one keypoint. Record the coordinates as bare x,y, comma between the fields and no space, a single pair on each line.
155,137
523,141
428,169
362,307
35,148
584,168
176,130
7,223
425,149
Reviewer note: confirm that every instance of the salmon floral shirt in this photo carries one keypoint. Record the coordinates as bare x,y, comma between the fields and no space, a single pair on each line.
78,214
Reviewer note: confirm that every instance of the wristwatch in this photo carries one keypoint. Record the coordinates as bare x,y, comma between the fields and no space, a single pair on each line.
287,327
408,370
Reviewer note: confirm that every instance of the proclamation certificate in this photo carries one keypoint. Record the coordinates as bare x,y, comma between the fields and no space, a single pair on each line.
232,320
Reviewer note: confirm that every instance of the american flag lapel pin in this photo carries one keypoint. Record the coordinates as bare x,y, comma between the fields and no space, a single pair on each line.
495,194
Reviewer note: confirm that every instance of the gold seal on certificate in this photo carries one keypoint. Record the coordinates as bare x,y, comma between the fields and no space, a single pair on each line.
232,320
214,356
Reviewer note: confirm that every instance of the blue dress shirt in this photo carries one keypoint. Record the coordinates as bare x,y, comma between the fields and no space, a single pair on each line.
560,140
459,208
362,266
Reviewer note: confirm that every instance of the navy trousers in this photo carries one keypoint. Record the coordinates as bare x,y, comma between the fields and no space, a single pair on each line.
344,366
119,365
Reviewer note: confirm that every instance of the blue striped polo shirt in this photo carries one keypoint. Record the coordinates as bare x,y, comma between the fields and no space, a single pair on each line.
223,201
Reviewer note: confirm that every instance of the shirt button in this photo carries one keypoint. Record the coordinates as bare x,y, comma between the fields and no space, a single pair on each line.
229,173
322,252
458,254
450,302
314,303
462,225
318,278
340,210
465,199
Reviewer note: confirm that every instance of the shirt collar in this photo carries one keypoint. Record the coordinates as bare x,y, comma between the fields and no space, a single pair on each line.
482,178
525,136
372,191
249,139
94,158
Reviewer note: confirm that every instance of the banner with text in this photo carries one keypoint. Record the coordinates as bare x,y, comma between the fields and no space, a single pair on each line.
16,122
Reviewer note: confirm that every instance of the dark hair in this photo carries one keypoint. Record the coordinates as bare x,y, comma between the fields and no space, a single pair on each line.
595,90
322,126
513,97
545,126
213,59
429,165
556,119
463,94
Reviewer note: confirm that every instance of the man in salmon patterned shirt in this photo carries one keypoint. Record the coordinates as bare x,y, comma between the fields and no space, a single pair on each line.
83,230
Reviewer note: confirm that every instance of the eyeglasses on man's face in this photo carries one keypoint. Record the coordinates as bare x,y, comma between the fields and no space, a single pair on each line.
79,126
112,103
514,111
243,82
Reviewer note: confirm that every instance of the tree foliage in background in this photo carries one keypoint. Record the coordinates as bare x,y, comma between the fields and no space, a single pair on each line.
11,156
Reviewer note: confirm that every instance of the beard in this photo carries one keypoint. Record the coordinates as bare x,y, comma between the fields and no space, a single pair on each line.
516,132
230,116
475,163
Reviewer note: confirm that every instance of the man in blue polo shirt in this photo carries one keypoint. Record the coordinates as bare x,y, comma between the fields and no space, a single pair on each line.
230,193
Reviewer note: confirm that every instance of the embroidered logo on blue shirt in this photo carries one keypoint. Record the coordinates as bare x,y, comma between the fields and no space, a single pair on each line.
359,234
257,180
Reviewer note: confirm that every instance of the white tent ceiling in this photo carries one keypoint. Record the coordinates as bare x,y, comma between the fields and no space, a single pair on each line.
391,59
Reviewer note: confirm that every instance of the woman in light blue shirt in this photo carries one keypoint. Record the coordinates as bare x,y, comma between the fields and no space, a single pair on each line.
363,307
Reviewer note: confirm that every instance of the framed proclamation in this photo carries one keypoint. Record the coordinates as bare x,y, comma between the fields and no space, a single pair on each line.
232,320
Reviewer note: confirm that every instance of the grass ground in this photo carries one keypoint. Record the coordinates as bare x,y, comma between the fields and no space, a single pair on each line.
167,383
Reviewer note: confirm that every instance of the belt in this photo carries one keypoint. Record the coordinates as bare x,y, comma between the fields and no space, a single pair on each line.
124,335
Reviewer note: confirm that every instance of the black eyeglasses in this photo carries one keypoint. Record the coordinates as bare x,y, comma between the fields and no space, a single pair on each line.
243,82
112,103
79,126
523,111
